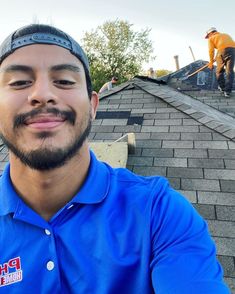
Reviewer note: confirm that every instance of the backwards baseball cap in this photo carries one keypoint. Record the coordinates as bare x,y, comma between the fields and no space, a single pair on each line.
212,29
44,34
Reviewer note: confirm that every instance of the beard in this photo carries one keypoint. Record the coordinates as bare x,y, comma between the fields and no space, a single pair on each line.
46,158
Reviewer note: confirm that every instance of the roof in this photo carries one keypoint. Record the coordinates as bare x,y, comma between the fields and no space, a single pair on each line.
187,139
186,78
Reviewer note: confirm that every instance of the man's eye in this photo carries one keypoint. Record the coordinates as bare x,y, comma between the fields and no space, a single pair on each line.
20,84
64,82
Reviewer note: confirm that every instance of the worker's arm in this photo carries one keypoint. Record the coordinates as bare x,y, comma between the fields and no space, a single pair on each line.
211,48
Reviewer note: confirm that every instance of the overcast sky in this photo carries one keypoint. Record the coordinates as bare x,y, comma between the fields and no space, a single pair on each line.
175,25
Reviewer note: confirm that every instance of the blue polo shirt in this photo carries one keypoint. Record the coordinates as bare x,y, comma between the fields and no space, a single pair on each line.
121,233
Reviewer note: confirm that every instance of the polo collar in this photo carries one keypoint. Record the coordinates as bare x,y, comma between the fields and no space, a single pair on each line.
9,199
94,189
97,184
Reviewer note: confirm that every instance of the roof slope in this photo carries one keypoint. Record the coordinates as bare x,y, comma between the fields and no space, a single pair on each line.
185,140
203,79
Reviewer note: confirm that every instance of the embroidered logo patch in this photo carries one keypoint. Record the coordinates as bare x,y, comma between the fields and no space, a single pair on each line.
10,272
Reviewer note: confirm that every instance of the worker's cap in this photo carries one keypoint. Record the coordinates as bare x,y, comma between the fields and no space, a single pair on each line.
42,34
212,29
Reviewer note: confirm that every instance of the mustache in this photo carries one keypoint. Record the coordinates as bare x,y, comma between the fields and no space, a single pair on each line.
20,119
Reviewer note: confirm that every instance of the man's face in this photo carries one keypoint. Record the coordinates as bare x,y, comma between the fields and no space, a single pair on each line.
45,111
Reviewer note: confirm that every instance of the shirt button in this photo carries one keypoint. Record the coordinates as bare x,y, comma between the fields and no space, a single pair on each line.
47,232
50,265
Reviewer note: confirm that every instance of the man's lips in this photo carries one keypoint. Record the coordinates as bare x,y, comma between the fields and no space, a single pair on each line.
44,121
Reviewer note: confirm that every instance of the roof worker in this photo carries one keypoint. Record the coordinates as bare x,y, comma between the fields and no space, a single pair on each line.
225,56
151,73
70,223
109,85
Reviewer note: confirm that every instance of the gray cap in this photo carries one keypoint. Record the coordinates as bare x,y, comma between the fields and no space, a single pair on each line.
41,34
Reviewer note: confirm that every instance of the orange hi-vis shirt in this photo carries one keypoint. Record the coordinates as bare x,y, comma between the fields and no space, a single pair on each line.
219,41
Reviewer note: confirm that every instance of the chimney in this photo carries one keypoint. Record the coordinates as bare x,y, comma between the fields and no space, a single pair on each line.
177,62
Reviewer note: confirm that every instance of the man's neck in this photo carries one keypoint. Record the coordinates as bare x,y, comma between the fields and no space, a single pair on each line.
48,191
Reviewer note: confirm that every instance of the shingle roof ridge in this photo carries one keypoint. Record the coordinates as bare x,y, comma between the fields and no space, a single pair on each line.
115,90
201,112
123,86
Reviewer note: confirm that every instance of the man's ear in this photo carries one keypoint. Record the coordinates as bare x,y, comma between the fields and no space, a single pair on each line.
94,104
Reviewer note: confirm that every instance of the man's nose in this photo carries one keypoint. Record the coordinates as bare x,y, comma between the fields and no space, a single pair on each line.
42,93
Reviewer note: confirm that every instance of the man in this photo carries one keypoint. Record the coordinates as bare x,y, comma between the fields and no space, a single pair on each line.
151,73
225,57
72,224
109,85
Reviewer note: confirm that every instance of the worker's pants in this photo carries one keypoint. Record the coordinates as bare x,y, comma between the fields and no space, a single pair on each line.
225,63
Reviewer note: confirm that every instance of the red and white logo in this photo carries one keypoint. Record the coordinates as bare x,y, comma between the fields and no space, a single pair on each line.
10,272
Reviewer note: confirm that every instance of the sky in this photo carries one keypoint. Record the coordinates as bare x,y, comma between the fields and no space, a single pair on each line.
175,25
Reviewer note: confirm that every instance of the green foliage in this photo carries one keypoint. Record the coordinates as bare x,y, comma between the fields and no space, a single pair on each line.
114,49
162,72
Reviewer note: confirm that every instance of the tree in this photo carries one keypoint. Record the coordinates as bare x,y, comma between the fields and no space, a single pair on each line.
115,49
162,72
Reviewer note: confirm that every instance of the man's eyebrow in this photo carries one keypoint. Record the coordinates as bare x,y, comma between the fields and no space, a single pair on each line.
65,66
28,69
17,67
